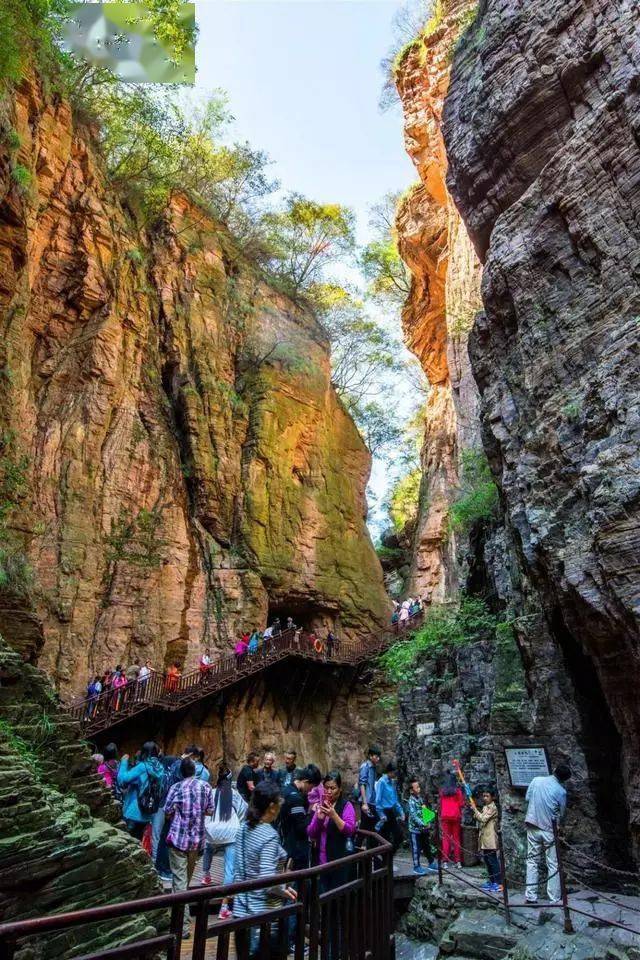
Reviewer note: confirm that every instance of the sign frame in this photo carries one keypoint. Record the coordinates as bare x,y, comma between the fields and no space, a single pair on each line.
518,785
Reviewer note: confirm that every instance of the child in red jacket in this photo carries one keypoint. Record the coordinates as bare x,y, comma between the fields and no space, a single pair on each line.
451,806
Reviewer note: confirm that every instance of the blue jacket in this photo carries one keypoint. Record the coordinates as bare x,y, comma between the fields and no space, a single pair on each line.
387,796
135,780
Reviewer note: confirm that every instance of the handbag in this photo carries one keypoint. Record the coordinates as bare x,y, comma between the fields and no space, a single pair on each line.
220,833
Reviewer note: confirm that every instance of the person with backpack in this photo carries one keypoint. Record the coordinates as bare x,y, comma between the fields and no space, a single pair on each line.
221,831
144,783
187,805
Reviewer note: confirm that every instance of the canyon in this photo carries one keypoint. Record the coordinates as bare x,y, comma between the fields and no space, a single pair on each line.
522,124
190,469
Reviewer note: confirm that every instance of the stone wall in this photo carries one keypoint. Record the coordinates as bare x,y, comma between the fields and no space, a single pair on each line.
541,125
189,465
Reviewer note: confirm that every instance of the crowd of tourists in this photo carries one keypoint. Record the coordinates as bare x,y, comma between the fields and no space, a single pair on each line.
411,607
298,815
112,687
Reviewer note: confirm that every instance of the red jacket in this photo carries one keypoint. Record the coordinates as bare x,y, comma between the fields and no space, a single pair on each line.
451,807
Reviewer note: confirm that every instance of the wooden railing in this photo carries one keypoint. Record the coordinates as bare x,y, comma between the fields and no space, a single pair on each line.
160,691
344,911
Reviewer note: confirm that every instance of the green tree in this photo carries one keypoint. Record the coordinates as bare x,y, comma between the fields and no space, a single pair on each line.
303,238
388,275
404,499
478,495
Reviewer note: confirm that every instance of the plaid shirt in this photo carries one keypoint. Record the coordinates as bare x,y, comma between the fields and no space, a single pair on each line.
190,801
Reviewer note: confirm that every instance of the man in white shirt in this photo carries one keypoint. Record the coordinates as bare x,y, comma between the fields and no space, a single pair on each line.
547,802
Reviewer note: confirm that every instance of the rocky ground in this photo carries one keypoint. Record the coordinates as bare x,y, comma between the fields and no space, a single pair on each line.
459,922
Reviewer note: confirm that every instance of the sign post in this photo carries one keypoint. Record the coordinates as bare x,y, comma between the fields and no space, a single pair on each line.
525,763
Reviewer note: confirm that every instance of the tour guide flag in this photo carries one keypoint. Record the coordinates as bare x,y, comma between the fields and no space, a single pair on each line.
460,774
428,816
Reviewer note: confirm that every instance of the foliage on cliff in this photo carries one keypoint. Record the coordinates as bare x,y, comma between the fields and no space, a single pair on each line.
444,626
477,499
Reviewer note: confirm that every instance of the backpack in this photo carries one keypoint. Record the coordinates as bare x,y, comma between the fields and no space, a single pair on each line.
150,798
220,833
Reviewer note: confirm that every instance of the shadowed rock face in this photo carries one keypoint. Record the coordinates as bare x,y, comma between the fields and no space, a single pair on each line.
542,129
442,303
189,462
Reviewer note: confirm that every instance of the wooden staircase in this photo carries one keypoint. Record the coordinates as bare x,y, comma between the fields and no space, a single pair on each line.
111,707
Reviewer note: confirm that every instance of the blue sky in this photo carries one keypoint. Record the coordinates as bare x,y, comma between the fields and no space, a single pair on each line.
303,80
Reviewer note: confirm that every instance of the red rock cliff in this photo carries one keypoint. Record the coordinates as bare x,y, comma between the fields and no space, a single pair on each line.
179,487
444,297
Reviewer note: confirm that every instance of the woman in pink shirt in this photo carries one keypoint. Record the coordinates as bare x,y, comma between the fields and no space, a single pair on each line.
332,827
451,807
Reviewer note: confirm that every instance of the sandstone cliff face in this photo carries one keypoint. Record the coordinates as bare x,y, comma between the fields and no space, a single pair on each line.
189,463
443,300
541,126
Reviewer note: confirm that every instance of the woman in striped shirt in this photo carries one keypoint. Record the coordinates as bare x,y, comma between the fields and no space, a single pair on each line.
259,854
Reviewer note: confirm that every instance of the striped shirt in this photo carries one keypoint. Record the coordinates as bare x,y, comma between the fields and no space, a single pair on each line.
258,854
189,801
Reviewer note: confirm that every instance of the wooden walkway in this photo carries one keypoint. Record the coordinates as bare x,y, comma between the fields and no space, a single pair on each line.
159,691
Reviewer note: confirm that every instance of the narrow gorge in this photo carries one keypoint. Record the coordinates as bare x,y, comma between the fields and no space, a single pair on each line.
178,467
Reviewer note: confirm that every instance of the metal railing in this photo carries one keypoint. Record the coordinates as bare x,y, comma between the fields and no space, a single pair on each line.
165,692
344,911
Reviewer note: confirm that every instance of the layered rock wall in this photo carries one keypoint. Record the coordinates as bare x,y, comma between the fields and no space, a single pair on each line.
443,300
541,125
190,467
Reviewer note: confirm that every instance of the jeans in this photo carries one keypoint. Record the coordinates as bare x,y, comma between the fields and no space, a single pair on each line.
539,842
183,864
157,823
420,843
494,873
229,854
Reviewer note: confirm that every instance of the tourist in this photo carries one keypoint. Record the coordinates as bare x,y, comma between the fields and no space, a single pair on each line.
332,830
547,802
268,767
388,807
240,651
419,833
367,788
159,823
118,684
276,628
331,644
286,773
404,612
193,753
188,803
133,672
487,819
290,624
395,616
172,678
221,832
205,662
94,689
451,803
254,643
258,854
202,770
293,817
108,769
143,782
249,777
332,827
143,677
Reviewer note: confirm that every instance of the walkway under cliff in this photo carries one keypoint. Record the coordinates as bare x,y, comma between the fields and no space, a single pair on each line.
161,692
